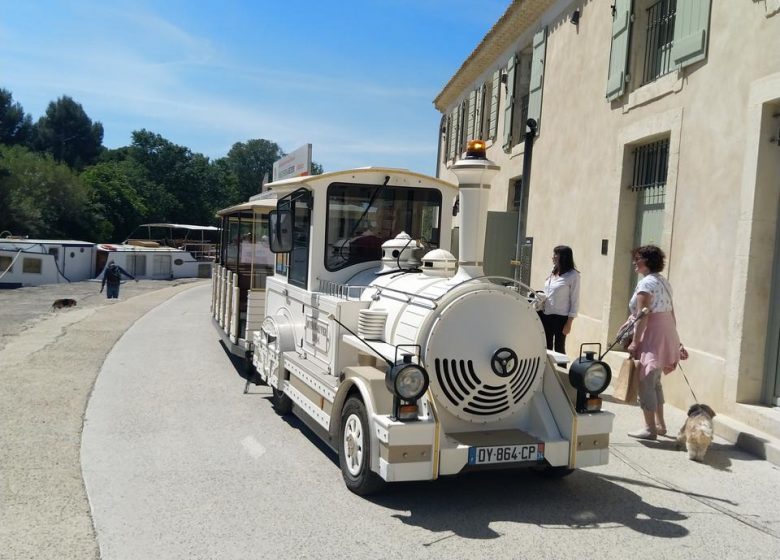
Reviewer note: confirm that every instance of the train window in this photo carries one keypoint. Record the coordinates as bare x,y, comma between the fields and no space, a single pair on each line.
362,217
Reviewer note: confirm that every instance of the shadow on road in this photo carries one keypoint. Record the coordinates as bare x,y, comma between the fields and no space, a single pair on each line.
466,505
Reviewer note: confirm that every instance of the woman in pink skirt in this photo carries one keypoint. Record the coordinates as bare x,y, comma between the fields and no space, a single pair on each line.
656,344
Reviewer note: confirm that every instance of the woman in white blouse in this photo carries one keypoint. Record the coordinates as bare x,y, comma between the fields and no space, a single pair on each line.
562,291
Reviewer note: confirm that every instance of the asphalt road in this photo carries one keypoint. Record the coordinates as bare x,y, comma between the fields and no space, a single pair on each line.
179,463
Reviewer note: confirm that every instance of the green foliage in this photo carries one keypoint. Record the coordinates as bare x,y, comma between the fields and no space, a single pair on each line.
115,197
42,198
15,125
250,161
70,186
68,134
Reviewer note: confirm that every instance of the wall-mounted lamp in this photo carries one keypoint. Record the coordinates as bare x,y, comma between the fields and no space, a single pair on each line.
575,17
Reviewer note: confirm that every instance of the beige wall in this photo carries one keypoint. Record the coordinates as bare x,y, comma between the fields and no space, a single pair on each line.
722,192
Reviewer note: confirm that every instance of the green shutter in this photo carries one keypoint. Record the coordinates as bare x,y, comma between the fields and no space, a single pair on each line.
452,134
691,25
479,97
510,102
472,107
537,78
446,139
618,57
495,94
458,130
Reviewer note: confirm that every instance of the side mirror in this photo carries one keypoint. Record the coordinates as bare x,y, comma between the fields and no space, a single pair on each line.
281,232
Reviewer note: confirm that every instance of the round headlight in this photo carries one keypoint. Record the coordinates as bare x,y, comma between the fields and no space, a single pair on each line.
588,374
596,378
408,381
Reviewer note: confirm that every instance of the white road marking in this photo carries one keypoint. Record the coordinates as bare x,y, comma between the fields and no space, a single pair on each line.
253,447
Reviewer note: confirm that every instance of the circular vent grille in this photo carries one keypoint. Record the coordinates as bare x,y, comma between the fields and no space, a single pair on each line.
463,388
486,355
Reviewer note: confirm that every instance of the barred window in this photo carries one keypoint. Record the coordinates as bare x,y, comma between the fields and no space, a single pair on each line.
659,40
651,163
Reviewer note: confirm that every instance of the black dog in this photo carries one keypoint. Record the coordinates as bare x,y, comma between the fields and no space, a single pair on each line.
64,302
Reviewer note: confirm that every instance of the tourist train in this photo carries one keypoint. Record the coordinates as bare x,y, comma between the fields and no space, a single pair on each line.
341,291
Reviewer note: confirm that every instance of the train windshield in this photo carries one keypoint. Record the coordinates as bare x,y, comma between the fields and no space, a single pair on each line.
362,217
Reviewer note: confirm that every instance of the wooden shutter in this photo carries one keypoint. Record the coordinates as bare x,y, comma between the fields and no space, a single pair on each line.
510,102
618,57
691,28
452,134
537,78
472,108
495,94
479,102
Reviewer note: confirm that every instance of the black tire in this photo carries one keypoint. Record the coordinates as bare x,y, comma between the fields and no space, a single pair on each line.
355,450
555,472
281,402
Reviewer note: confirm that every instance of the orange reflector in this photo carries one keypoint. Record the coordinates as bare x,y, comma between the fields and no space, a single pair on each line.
593,405
407,411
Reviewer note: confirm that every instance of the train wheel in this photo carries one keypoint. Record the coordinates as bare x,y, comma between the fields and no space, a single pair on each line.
355,450
281,402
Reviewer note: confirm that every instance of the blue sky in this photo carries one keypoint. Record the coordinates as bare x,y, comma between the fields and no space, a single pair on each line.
355,79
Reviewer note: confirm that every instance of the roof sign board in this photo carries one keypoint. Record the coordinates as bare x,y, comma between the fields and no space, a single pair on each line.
296,164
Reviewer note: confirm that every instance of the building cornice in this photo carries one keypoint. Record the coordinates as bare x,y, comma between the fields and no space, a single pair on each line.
520,15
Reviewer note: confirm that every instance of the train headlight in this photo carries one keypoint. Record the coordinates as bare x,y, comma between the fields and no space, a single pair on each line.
407,381
590,377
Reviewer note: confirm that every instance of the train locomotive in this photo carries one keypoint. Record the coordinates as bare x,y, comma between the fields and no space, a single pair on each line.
410,363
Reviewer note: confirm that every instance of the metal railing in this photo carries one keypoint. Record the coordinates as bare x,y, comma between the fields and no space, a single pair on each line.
660,37
651,163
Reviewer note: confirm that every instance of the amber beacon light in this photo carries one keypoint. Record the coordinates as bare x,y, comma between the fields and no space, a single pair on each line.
475,149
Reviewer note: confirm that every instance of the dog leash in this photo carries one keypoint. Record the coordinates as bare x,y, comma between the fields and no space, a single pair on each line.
686,381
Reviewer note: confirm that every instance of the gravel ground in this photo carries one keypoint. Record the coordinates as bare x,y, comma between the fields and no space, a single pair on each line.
49,361
22,308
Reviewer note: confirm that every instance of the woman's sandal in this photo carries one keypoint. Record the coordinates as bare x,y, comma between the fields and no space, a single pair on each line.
660,431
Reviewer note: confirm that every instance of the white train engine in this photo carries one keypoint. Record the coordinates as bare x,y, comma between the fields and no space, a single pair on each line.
413,365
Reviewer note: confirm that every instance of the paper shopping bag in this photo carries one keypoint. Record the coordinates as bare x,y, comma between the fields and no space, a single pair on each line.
627,382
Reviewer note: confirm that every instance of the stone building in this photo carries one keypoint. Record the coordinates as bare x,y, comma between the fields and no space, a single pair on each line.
658,122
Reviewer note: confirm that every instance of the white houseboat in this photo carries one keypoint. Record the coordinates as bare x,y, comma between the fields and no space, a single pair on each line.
34,262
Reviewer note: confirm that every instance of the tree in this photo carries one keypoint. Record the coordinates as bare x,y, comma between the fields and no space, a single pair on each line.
115,197
42,198
68,134
250,161
15,125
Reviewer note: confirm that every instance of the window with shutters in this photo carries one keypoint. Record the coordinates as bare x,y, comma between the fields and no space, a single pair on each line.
523,82
651,38
475,117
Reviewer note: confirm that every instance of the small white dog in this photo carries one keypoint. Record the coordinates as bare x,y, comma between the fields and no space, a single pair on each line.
697,432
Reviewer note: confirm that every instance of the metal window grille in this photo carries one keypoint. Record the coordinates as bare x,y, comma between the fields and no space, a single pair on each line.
651,162
660,36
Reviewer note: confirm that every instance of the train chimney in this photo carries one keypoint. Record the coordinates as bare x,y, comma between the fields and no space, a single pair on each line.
475,173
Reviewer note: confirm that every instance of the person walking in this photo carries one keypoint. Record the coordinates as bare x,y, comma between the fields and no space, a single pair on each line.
562,299
655,344
112,277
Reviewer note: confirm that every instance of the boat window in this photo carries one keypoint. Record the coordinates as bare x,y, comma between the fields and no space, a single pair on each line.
5,264
31,266
362,217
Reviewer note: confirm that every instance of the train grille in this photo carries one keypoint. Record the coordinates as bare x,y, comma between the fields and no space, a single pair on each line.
466,391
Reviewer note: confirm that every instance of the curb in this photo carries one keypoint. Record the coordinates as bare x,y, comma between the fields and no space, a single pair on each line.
747,438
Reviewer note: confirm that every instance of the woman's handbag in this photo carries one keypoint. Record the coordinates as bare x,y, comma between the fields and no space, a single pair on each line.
627,383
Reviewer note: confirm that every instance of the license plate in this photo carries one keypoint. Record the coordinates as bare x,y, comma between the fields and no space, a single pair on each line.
506,454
